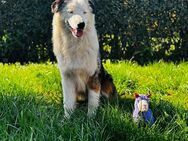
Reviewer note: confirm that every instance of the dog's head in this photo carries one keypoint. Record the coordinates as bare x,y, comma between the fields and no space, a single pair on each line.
77,15
142,102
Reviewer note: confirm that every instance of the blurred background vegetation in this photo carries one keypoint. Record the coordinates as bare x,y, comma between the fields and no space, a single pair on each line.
138,30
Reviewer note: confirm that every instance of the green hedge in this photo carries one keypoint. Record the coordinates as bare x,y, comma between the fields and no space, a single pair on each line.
144,30
140,30
25,30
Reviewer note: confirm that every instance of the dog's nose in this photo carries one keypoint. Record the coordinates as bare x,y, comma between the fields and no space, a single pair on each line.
81,25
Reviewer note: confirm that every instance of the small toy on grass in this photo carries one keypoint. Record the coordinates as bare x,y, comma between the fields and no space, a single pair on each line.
142,110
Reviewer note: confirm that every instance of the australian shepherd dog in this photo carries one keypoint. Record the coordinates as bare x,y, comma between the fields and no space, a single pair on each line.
76,47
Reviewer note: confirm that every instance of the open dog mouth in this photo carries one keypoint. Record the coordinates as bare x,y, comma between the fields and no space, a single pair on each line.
76,32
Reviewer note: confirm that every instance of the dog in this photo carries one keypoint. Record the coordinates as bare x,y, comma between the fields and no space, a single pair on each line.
76,47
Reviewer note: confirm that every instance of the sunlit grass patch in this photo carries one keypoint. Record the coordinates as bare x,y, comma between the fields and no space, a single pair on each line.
31,104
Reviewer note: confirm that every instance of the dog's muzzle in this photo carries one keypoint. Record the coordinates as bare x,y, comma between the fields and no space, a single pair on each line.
77,32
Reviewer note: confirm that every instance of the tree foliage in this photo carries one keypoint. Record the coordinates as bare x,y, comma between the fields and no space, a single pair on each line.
139,30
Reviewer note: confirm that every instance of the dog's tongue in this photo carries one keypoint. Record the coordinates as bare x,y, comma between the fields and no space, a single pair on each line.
77,32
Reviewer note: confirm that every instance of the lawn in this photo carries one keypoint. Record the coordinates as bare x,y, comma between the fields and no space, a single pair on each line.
31,104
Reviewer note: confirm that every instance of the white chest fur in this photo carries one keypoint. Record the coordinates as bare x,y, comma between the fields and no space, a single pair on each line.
78,54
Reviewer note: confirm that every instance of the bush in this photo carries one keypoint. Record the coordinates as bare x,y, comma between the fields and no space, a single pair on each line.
143,30
25,31
137,30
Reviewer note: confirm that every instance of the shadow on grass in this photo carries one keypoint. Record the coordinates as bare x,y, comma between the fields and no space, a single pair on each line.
171,122
25,116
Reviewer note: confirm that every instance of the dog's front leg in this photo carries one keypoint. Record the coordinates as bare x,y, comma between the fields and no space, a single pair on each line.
93,95
69,95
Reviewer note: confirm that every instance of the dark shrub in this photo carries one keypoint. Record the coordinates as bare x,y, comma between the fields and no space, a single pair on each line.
139,30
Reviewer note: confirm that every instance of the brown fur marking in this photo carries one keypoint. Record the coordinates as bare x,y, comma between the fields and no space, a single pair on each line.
108,89
94,84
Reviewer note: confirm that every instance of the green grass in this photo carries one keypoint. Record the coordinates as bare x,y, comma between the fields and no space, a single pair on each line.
31,104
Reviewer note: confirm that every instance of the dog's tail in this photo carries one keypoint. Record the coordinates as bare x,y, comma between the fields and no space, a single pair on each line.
108,88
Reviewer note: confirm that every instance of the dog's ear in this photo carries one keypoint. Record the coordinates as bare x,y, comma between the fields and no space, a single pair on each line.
56,5
136,95
92,5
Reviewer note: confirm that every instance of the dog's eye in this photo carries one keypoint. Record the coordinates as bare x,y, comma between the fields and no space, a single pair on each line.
85,12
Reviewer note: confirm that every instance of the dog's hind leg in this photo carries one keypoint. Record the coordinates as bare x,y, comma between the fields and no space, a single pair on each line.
93,95
108,88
